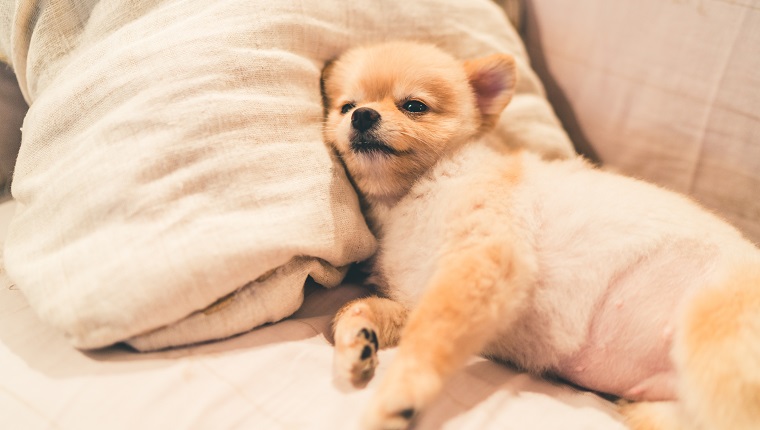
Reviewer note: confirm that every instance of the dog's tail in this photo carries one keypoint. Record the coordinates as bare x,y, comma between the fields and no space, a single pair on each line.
717,353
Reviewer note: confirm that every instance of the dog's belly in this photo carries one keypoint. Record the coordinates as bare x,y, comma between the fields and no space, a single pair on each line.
626,351
618,260
614,336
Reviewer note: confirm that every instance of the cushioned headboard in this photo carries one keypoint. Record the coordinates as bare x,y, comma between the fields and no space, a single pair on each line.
662,90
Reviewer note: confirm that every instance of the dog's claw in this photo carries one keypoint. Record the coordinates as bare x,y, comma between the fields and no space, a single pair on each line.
398,420
407,413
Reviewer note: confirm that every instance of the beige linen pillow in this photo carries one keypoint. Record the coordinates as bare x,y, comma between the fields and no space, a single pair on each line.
172,153
665,91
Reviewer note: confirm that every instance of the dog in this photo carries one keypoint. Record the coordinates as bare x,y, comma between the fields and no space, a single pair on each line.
557,267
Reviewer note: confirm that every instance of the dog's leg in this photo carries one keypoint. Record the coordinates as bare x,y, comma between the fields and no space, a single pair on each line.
717,354
475,291
652,415
361,327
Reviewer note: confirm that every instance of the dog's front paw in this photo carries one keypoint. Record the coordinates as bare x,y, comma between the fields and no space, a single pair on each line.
402,394
356,348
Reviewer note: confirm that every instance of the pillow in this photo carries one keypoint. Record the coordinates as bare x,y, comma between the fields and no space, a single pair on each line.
172,183
664,91
12,110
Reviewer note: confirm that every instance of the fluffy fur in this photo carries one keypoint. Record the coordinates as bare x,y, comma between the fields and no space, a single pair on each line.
558,267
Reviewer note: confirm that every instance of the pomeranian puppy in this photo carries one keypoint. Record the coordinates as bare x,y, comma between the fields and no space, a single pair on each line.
557,267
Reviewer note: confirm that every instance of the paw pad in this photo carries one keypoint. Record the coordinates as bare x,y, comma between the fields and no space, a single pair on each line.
366,352
370,335
356,354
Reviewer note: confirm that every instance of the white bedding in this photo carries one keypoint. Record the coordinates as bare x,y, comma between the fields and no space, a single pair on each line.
275,377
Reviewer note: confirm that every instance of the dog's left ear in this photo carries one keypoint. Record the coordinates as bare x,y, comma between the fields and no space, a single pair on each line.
493,79
326,72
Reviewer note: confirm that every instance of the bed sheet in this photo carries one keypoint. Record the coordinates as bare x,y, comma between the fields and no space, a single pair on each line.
276,377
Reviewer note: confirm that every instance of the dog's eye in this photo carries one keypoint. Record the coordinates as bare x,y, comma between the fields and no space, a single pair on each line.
347,107
414,106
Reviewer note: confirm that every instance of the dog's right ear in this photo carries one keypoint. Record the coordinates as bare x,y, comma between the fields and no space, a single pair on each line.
493,80
326,72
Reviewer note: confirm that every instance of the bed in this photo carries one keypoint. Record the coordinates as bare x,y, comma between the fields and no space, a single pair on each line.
108,321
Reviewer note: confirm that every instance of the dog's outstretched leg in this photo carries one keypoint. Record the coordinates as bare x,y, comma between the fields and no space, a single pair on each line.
361,327
717,354
652,415
475,291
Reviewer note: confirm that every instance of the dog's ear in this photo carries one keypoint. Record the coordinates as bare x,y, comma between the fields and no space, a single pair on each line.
326,71
493,79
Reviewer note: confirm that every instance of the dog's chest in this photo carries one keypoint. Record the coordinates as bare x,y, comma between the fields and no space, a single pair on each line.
410,246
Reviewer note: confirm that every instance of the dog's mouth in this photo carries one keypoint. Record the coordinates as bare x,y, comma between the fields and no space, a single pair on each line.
367,145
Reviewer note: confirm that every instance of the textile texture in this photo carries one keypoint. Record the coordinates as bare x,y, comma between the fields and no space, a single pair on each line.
172,185
663,91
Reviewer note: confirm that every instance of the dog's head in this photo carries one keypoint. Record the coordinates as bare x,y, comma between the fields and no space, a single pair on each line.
393,110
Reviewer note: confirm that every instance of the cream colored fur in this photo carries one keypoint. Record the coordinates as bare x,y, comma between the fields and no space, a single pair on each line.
557,267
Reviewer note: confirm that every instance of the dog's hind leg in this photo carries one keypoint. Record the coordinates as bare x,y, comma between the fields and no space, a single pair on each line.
717,354
360,328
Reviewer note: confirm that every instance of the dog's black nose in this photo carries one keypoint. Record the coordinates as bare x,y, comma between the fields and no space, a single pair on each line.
364,118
